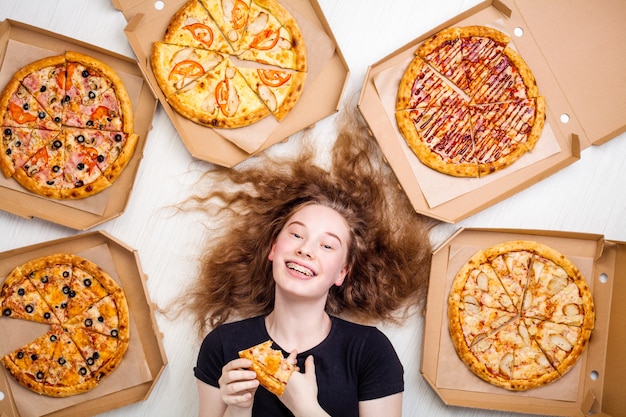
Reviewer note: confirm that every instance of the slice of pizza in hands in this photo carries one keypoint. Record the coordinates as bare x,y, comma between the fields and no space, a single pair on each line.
271,367
273,36
221,99
174,66
193,26
278,89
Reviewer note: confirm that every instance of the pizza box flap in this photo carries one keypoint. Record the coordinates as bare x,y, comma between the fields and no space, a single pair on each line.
29,41
468,196
147,341
598,386
325,84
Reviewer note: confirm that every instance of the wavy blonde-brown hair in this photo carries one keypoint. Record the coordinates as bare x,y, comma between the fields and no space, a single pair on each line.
389,254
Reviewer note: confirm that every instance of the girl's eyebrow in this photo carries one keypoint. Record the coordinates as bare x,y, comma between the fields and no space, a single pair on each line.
299,223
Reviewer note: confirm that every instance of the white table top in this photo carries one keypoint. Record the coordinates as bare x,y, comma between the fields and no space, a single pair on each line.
588,196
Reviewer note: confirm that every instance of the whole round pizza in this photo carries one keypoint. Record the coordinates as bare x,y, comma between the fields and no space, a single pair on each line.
67,126
467,104
230,63
88,317
520,314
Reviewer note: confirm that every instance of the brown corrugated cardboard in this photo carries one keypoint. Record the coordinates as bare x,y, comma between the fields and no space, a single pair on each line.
26,42
326,80
555,56
590,387
145,359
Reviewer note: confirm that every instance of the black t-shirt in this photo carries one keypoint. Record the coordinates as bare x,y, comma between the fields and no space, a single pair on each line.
354,363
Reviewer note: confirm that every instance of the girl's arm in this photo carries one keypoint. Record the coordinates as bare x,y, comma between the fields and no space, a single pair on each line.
390,406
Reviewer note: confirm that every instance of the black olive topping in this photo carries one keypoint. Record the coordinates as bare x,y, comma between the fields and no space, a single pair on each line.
39,375
83,371
29,308
53,338
57,144
88,322
100,158
79,183
66,274
8,132
63,305
66,98
87,282
61,360
80,166
96,355
92,95
8,152
80,138
21,292
101,319
20,354
85,73
50,182
6,312
66,289
56,168
44,279
25,106
72,294
89,123
42,89
57,119
114,333
33,357
90,361
118,137
41,115
46,315
18,144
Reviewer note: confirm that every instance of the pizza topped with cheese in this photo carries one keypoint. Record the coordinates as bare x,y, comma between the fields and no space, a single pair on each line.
468,104
271,367
520,314
67,126
231,63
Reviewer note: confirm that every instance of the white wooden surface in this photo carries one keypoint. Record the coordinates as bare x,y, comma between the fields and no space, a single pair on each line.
588,196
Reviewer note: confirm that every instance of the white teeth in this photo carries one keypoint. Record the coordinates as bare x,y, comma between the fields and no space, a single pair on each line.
299,268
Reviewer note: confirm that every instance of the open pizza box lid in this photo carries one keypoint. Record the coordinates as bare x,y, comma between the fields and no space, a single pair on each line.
594,386
326,79
143,362
21,44
583,84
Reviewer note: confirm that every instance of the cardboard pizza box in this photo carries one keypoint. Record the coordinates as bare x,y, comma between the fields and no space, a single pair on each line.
143,362
21,44
326,80
564,59
594,386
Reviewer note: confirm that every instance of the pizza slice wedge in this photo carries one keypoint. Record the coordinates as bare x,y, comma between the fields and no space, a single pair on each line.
176,66
272,36
478,321
19,108
441,138
193,26
512,268
482,287
102,353
444,52
51,276
105,316
279,89
19,144
221,99
85,288
531,366
20,299
68,373
45,80
29,364
231,16
271,367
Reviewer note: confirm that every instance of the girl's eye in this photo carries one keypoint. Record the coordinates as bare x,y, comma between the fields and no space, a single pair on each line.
329,247
297,235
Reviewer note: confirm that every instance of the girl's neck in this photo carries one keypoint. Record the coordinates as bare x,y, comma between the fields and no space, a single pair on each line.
297,329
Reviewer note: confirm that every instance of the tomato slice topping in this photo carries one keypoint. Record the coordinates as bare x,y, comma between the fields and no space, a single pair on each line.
202,33
239,16
265,40
100,113
221,96
19,115
70,71
186,68
273,78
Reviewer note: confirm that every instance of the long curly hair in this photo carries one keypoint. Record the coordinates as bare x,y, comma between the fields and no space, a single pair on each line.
389,254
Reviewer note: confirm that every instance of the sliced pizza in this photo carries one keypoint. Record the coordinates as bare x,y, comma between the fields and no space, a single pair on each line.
271,367
68,373
531,366
444,52
20,299
511,264
19,144
231,17
105,316
19,108
102,353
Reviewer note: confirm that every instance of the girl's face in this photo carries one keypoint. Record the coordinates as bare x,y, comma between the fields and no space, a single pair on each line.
310,253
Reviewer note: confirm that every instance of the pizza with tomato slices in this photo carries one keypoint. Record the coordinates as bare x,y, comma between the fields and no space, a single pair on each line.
230,63
67,126
468,104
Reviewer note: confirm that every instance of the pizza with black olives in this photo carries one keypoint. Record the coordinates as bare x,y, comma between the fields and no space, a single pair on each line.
67,126
88,317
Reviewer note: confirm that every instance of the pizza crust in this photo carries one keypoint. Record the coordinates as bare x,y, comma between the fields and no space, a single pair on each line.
528,346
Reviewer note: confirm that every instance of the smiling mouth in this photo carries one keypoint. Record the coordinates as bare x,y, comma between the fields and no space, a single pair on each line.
300,269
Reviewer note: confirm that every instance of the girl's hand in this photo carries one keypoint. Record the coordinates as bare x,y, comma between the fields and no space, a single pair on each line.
300,395
238,384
